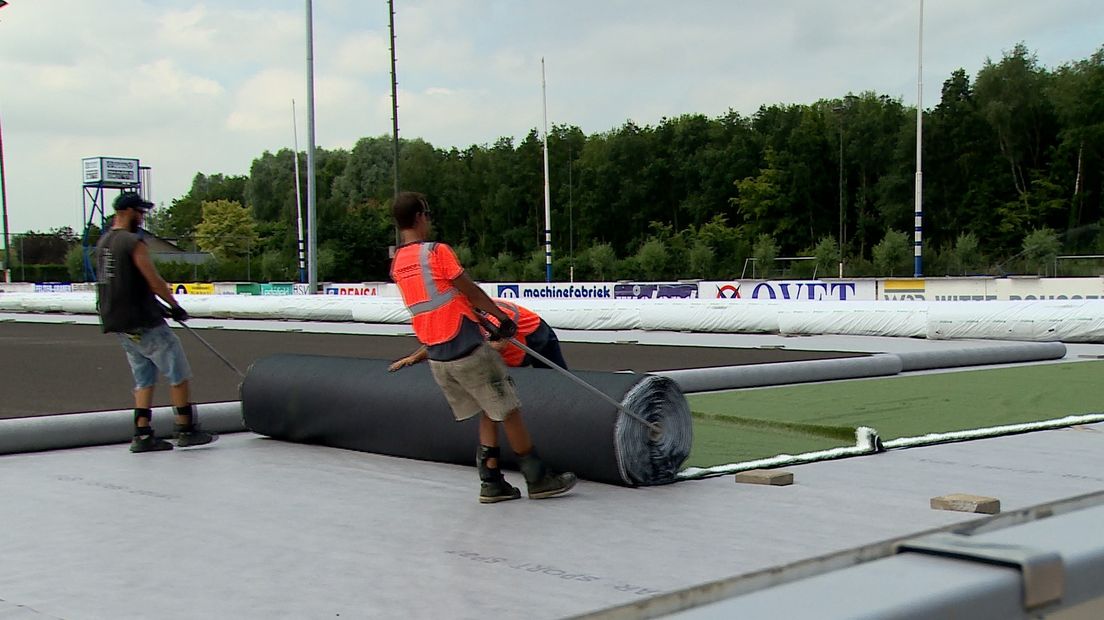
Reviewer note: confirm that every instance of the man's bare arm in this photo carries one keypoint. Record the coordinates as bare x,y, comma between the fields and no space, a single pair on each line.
157,284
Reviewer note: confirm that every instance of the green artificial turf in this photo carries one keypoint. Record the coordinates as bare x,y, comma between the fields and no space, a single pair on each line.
742,425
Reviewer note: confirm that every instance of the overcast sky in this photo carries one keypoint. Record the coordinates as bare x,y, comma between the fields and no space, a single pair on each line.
192,87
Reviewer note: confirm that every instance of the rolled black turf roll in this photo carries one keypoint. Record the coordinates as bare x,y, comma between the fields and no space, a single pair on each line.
355,403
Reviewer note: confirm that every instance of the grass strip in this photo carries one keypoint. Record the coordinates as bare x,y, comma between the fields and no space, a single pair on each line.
741,425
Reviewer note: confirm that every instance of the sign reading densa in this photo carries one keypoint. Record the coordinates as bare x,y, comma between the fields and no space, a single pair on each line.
371,290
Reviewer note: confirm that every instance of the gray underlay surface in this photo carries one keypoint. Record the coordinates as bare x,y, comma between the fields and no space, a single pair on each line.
251,527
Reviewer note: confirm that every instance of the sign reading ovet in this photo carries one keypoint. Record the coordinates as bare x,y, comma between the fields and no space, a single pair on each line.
789,290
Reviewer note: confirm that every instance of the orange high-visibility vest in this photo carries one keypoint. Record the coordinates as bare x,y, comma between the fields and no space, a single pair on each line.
527,322
424,272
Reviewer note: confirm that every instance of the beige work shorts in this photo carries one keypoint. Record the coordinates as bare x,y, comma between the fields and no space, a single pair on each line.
478,382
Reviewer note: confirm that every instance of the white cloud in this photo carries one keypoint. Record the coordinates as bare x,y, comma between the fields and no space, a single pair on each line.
207,87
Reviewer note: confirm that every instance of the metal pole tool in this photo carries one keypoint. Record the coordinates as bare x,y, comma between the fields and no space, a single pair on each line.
655,428
212,349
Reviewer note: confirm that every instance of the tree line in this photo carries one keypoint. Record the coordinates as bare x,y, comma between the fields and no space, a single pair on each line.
1013,172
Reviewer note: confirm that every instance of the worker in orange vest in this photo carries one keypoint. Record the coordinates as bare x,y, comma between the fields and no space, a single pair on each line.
442,300
532,332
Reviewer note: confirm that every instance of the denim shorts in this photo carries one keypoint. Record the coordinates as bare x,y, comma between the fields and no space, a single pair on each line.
152,350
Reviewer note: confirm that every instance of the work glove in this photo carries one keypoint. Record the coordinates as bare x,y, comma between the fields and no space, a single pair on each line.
178,314
506,330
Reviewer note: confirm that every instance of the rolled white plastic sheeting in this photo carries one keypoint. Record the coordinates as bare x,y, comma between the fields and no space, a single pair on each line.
1066,321
854,318
96,428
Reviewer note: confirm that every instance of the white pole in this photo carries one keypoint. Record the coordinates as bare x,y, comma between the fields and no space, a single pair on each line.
547,192
312,226
918,242
298,195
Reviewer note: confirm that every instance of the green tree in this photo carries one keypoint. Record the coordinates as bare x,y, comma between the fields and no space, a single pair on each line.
1012,96
827,257
226,231
506,267
185,213
1040,249
967,253
277,266
652,259
701,260
602,261
765,251
891,254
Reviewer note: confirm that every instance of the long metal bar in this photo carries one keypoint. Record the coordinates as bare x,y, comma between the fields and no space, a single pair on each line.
567,373
212,349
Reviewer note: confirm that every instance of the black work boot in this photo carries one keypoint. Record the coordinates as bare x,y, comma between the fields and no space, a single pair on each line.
541,481
189,434
144,441
493,486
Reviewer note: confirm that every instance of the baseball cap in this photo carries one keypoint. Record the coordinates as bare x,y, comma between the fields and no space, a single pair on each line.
131,200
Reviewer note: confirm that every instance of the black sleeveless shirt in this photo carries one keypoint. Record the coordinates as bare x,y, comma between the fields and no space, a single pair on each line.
124,299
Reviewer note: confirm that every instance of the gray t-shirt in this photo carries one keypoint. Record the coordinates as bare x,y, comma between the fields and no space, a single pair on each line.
124,299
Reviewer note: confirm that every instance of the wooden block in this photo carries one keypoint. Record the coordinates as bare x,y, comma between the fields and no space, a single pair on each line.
963,502
773,477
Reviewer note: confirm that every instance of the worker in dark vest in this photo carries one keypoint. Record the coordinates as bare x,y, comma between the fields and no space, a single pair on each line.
532,331
127,288
442,300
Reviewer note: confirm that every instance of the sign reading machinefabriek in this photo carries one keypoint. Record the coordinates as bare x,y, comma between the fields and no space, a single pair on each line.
110,171
578,290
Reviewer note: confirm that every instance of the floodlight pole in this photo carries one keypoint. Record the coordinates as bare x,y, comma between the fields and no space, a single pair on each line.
394,100
312,224
394,112
547,191
918,243
298,195
4,207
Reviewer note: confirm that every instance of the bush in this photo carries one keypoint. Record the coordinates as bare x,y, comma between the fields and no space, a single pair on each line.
41,273
179,272
74,263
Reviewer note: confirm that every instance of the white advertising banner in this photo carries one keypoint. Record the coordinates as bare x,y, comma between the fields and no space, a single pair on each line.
1030,289
991,289
552,290
370,289
790,290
